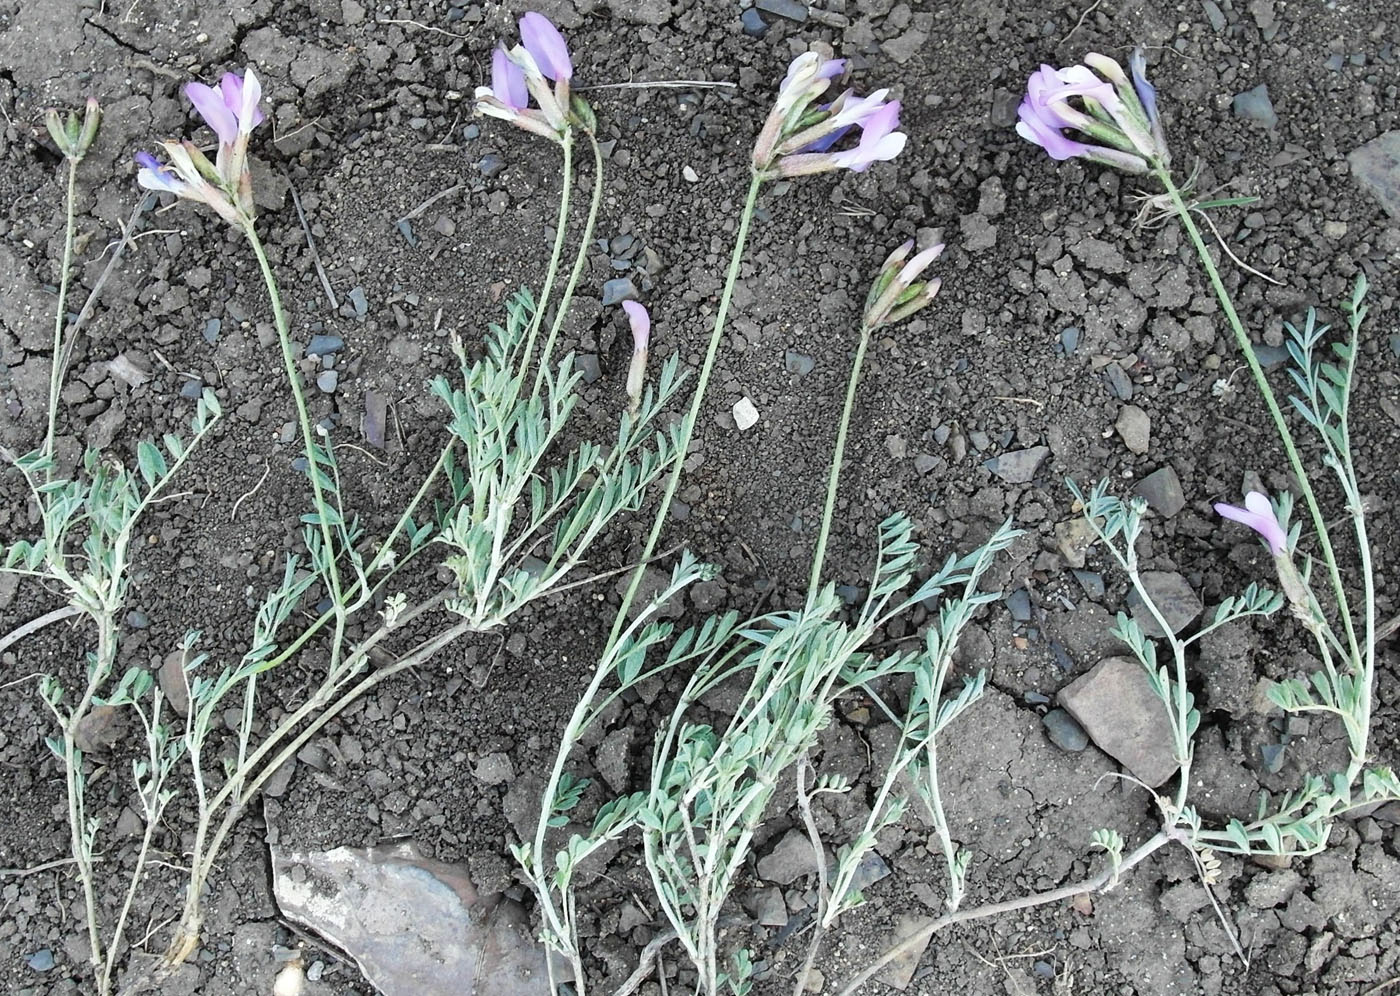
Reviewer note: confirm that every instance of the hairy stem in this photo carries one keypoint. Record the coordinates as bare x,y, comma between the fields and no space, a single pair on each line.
56,371
561,229
580,259
833,479
1271,402
284,339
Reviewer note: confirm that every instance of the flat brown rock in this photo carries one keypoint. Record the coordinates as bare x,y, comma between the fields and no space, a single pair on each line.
1116,706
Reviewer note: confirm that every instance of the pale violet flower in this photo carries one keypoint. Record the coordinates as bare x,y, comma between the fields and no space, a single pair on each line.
1258,514
526,71
798,139
1116,117
231,110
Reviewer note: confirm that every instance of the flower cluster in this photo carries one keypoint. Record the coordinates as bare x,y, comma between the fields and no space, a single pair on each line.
74,135
526,71
895,295
798,139
232,111
1118,114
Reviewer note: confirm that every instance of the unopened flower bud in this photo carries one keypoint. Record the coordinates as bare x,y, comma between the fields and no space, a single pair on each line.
72,135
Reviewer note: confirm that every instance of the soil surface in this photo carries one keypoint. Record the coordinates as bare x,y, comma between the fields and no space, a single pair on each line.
1058,311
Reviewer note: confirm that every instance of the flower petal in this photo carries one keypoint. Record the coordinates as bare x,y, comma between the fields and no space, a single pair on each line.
250,115
544,42
215,112
641,323
508,81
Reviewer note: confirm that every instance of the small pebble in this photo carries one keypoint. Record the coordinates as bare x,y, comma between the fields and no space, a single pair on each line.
137,619
798,363
490,165
1069,339
587,364
325,345
1063,731
745,414
192,389
41,960
1255,105
753,23
211,330
690,175
850,593
327,380
790,9
358,301
405,228
1019,603
617,290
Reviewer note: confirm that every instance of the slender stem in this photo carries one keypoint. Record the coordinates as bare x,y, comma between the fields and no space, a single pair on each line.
580,259
920,936
833,479
693,415
561,228
1247,349
55,372
303,416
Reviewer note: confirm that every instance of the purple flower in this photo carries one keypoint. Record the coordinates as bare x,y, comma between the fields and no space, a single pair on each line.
878,142
1258,514
808,77
546,46
231,109
508,81
154,175
1111,116
525,71
640,321
190,176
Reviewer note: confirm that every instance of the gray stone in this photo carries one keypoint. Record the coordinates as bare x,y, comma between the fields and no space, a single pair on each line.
978,233
1215,15
611,758
587,364
1019,604
1073,537
41,960
1119,383
791,859
490,165
1091,582
796,363
1161,489
327,381
1175,600
325,345
494,769
1018,466
1063,731
1255,105
1119,711
767,906
1135,428
358,301
790,9
617,290
1376,166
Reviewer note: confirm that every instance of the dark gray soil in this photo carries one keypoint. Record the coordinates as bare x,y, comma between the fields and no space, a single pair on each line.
370,117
